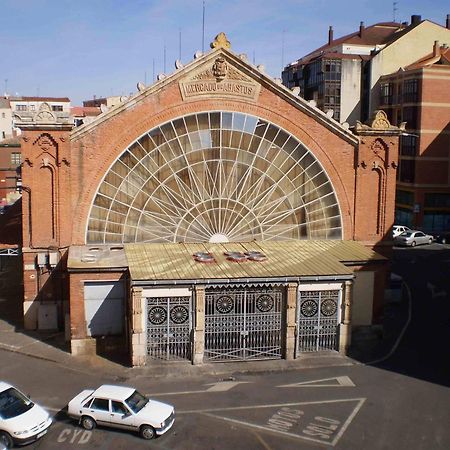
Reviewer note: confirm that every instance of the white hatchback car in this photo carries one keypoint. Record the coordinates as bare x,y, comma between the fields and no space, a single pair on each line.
121,407
21,420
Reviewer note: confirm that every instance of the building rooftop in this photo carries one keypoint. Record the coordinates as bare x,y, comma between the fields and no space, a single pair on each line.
85,111
10,142
378,33
39,99
439,56
161,263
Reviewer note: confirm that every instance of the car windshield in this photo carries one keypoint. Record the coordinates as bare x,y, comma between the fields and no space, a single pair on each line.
13,403
136,401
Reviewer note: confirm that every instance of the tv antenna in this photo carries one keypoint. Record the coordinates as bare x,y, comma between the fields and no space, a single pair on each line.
394,11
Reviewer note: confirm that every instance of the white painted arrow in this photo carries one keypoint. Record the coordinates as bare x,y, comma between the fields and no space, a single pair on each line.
343,381
223,386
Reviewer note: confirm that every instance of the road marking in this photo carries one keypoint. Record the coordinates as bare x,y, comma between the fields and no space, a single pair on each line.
402,332
221,386
435,291
224,386
343,381
311,426
270,405
262,441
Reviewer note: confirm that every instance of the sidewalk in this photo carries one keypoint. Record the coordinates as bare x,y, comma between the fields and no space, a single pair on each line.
51,347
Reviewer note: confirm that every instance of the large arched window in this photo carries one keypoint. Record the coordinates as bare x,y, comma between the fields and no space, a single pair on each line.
215,177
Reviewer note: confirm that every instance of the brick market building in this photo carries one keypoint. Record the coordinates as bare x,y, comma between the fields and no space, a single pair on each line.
212,216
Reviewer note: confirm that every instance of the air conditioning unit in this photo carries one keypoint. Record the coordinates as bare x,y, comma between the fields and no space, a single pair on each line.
41,259
53,259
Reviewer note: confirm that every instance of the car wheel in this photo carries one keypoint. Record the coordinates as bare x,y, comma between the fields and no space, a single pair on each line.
430,241
6,439
88,423
443,240
147,432
413,243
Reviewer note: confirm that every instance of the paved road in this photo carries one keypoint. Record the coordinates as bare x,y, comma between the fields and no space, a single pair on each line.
350,407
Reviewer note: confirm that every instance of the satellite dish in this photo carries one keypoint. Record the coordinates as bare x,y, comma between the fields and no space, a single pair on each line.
178,64
140,86
197,54
103,108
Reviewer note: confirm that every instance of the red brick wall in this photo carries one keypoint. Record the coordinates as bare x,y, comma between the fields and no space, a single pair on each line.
375,188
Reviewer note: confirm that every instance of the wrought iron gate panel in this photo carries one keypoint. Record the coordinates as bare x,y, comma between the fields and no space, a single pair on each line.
243,324
317,320
169,324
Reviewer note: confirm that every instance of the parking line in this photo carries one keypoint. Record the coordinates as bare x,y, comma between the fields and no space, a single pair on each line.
272,405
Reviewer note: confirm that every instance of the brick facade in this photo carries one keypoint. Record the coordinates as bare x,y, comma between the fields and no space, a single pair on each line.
62,171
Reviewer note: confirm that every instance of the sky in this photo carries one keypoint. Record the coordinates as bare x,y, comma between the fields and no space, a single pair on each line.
78,49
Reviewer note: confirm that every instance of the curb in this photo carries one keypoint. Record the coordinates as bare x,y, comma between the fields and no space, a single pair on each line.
402,332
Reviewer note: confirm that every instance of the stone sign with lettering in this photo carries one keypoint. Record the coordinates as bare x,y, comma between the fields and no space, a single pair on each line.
220,79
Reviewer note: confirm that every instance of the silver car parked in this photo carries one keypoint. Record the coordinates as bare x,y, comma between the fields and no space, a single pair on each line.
413,238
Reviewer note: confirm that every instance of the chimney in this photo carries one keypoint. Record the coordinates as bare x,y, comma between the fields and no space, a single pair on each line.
436,48
447,25
330,35
415,19
361,28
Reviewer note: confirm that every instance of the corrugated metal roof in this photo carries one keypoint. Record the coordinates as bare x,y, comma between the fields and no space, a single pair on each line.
284,259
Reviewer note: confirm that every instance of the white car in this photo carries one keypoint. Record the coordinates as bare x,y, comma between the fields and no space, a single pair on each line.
121,407
21,420
413,238
397,230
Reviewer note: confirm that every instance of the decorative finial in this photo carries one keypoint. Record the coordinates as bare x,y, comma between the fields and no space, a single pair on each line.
221,41
380,120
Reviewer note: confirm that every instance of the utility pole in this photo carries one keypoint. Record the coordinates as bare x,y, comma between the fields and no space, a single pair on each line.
164,57
394,11
203,28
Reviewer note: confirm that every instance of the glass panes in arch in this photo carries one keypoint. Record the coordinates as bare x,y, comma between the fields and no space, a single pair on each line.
215,173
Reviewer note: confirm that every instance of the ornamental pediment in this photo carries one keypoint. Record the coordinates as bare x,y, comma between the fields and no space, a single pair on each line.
219,78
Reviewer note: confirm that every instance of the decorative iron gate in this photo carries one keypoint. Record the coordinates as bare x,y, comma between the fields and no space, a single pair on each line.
169,324
243,324
317,320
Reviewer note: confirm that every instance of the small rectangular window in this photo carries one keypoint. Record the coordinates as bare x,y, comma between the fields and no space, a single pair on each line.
57,108
16,158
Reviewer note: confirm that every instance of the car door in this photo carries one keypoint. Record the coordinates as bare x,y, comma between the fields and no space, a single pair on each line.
421,238
99,410
121,416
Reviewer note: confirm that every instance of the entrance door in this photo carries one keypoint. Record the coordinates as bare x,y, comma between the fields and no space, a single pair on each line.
317,320
243,324
169,324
